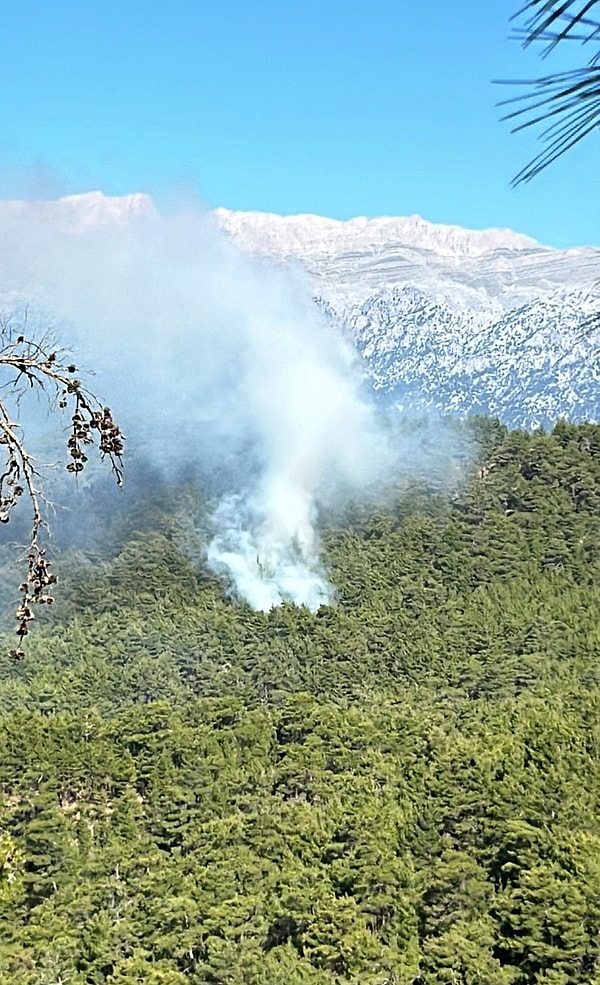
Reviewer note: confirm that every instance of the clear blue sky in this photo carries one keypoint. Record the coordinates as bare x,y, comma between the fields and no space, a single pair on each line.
378,107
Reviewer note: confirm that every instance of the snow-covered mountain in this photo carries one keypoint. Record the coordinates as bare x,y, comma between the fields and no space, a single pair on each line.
459,320
491,269
447,318
79,212
308,236
536,363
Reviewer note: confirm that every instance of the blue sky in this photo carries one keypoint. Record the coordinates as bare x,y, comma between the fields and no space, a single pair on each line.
338,108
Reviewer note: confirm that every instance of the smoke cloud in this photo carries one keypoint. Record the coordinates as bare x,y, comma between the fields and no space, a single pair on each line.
210,358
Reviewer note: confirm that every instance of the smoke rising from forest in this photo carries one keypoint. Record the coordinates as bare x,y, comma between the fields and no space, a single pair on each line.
210,358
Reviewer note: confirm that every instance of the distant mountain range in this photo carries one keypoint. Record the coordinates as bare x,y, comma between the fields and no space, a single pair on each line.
443,318
446,318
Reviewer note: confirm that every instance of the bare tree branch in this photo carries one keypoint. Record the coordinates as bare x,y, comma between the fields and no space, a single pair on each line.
41,366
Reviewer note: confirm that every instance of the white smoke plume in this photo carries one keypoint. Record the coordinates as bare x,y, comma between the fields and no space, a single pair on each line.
210,358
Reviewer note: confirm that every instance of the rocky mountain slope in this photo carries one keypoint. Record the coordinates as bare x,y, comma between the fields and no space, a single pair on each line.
444,318
532,365
450,319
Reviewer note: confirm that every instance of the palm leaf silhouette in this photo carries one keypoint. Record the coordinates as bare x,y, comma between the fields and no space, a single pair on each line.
565,104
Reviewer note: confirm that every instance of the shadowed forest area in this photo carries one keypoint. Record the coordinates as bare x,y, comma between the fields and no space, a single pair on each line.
400,788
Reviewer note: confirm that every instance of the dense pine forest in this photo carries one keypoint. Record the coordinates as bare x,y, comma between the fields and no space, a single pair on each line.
400,788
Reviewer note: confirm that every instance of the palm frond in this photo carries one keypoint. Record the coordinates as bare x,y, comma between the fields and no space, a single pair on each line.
569,102
546,15
552,38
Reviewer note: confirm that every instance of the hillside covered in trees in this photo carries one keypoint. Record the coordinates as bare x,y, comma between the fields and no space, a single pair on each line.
400,788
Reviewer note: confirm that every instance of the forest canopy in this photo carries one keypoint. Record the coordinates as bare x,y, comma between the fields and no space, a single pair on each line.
402,787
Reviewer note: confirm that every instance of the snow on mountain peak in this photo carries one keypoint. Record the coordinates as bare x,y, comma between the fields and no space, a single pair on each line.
489,270
81,211
449,319
304,236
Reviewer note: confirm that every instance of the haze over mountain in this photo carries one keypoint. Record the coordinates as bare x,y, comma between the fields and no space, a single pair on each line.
445,318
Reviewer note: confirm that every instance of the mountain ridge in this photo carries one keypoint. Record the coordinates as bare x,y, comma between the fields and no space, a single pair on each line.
490,268
443,318
503,332
313,233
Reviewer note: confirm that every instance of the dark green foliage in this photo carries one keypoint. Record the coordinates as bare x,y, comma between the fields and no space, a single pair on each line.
402,788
